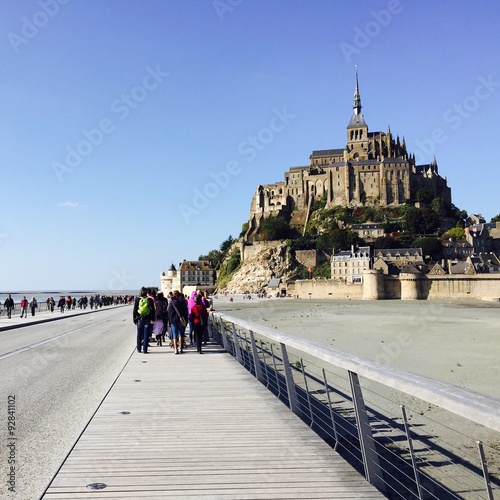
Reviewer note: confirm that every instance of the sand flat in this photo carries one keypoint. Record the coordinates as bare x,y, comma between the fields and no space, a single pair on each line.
456,342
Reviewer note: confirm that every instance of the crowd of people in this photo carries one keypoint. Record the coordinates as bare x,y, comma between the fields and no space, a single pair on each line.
63,304
154,314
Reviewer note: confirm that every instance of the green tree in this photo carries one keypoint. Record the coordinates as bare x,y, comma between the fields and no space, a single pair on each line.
273,228
244,229
340,239
424,195
430,246
214,257
413,221
437,205
323,270
226,244
495,219
385,242
457,233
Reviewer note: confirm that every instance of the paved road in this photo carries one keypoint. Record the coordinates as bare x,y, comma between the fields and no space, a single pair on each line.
58,373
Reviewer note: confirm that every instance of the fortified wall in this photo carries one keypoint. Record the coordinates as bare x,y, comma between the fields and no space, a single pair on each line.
379,286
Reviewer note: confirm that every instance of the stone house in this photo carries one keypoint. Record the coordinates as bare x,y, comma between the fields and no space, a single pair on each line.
369,231
349,265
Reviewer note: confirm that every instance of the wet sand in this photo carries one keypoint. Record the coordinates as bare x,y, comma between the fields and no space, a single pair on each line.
456,342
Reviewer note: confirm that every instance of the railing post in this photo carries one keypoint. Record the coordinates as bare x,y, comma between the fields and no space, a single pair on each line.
311,414
264,361
290,384
373,472
276,373
486,474
237,348
223,335
410,448
332,416
256,360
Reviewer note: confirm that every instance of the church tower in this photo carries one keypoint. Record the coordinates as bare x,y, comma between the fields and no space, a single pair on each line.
357,130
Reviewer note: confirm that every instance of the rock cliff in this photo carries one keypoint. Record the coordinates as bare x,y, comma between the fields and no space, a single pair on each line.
256,271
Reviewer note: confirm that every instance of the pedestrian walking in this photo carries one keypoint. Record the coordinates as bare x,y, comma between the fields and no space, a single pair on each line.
9,305
143,316
199,317
33,305
24,307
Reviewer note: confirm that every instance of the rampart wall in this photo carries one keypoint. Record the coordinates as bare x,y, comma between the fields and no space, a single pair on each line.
378,286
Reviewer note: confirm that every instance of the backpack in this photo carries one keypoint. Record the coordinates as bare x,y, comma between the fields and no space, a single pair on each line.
143,307
161,308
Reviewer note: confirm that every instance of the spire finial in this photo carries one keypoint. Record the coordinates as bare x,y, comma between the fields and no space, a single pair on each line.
357,97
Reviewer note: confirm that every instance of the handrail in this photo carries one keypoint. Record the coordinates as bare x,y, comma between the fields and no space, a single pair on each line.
480,408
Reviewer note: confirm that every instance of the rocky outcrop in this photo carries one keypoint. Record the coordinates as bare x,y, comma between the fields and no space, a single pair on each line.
255,272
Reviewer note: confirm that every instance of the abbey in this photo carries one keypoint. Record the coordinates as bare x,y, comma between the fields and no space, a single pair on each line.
372,168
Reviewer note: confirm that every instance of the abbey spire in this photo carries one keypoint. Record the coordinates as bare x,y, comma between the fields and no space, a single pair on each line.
357,130
357,97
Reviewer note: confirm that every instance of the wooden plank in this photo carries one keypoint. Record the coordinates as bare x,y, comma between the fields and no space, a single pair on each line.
200,426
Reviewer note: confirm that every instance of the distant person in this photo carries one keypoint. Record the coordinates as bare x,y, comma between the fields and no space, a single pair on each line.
190,303
9,305
24,307
33,305
177,317
208,306
69,303
199,317
52,304
143,316
61,304
161,315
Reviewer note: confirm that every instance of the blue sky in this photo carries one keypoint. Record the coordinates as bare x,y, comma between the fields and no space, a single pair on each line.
135,132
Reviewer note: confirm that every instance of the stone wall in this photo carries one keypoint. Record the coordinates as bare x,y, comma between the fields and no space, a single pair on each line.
378,286
327,289
310,258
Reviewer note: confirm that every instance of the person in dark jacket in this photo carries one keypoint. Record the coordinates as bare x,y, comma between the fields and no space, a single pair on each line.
9,305
143,320
161,315
177,317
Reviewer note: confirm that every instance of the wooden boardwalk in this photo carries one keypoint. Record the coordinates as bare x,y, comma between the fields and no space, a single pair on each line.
200,426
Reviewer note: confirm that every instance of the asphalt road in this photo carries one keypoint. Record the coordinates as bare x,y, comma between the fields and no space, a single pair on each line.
58,372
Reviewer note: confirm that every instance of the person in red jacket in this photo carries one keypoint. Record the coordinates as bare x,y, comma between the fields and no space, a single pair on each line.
199,316
24,307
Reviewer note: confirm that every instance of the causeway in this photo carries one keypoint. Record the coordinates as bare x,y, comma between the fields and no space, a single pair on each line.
199,426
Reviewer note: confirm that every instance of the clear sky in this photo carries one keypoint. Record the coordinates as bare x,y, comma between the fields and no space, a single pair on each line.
134,133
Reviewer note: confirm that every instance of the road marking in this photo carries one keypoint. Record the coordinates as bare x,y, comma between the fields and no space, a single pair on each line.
37,344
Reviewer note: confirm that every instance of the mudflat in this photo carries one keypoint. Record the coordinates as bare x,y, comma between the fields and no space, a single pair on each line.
453,341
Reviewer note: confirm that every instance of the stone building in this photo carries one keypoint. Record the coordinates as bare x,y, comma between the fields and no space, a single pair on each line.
191,273
349,265
372,167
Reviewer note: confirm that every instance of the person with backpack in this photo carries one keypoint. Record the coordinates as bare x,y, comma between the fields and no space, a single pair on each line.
143,317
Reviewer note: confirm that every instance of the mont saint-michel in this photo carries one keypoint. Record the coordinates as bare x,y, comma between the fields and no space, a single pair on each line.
372,167
377,224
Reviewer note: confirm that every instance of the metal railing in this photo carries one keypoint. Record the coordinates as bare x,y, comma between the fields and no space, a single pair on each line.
409,435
